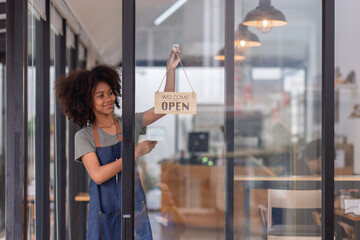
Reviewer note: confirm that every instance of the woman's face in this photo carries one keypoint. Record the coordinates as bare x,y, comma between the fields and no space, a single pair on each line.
103,99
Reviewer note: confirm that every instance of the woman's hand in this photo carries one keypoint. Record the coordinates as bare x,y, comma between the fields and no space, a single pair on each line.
174,57
172,62
144,148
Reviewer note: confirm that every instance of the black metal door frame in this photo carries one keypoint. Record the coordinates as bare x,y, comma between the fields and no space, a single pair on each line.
60,143
42,133
16,120
327,120
128,113
229,95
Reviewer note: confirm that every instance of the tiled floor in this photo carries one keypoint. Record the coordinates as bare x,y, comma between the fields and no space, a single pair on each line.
195,233
189,234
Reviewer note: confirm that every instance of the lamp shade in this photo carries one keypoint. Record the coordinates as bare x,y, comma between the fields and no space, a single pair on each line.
245,38
238,55
264,17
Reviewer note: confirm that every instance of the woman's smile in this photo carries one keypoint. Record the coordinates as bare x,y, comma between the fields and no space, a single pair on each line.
109,105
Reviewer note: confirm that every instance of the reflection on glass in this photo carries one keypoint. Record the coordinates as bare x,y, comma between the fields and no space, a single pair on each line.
67,201
53,36
31,114
347,125
277,123
183,176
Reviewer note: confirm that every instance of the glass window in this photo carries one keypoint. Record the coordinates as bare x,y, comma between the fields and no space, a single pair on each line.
70,52
183,177
347,115
54,44
277,119
33,18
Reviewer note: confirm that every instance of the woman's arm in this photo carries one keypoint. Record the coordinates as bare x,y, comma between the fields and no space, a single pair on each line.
149,116
100,174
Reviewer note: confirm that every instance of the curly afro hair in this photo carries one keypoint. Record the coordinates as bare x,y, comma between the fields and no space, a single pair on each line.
75,90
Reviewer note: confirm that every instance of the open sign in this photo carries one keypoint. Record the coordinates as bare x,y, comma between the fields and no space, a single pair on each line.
175,103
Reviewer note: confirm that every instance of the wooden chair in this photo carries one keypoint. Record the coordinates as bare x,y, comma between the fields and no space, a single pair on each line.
317,218
301,201
263,218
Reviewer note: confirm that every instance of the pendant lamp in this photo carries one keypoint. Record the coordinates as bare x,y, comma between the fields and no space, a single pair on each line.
245,38
264,17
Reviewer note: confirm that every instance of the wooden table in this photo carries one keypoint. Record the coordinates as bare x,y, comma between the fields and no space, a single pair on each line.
287,183
349,218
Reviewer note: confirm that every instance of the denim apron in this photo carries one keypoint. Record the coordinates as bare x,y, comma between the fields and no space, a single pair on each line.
104,217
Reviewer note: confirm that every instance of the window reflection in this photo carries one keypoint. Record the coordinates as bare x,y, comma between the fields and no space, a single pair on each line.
53,46
33,17
346,96
277,120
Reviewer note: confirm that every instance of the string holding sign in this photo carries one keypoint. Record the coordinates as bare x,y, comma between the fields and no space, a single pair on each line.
175,102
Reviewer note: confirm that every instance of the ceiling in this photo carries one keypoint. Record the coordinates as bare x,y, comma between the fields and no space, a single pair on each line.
102,20
198,26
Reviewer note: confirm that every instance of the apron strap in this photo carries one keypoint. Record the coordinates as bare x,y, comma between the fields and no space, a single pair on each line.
118,130
96,134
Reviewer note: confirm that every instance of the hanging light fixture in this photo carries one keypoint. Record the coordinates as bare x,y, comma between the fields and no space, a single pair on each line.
245,38
264,17
238,55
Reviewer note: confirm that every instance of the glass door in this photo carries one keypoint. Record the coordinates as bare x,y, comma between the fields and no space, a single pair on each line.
183,177
265,142
346,125
278,119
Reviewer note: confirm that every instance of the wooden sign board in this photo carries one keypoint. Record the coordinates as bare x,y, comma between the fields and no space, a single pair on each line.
175,103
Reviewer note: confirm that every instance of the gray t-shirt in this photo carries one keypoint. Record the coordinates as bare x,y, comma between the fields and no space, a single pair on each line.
85,142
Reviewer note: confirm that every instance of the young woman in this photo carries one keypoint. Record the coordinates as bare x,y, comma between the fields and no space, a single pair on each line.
88,98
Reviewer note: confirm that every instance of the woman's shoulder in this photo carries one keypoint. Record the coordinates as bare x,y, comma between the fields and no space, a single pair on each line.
85,132
84,142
